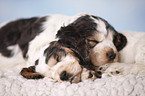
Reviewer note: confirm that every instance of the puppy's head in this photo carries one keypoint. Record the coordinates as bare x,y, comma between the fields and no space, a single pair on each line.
102,48
103,41
63,64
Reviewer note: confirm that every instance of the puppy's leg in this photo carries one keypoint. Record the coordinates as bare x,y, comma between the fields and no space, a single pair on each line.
88,74
125,69
30,73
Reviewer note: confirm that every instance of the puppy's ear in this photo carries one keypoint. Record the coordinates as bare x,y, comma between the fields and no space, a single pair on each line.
119,41
30,73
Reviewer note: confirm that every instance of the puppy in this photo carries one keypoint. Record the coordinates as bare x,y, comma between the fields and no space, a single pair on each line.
58,46
132,57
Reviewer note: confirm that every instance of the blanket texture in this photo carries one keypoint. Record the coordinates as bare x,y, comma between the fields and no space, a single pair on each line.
12,84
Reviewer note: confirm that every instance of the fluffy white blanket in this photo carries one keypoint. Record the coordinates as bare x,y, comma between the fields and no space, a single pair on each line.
12,84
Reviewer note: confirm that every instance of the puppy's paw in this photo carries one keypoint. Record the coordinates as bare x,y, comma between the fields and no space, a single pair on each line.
114,72
114,69
100,70
87,74
30,73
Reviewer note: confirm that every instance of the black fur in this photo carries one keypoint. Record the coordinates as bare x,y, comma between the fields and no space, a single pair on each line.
19,32
36,62
90,75
119,41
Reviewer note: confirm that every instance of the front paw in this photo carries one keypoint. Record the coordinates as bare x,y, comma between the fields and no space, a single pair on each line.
100,70
113,70
30,73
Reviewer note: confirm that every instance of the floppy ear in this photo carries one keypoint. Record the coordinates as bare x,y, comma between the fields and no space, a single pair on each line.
119,41
81,51
75,39
30,73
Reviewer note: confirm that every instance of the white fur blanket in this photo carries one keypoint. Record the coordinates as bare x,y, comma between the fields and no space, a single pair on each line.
12,84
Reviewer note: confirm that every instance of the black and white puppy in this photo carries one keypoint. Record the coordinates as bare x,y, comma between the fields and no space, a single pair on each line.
59,46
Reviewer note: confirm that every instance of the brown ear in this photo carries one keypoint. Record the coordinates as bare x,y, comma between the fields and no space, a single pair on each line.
119,41
30,73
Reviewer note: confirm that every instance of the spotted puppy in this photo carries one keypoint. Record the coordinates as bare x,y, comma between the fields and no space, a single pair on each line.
58,46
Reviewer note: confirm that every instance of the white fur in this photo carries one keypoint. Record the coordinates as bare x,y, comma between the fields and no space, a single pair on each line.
132,57
6,63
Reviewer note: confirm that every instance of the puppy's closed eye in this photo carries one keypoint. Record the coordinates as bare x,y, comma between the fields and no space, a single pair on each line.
92,43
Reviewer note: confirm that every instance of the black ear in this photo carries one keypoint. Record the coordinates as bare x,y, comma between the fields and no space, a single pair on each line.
73,38
54,50
119,41
81,51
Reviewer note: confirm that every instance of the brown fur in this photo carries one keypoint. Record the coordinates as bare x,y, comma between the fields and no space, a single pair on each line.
30,73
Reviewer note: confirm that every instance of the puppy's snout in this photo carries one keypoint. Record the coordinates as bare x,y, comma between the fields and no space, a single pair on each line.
111,55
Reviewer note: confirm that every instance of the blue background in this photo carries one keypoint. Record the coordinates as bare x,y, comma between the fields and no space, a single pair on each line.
122,14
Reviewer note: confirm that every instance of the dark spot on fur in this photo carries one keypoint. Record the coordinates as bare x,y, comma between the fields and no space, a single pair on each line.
117,72
65,76
36,62
99,72
100,68
98,76
90,75
111,72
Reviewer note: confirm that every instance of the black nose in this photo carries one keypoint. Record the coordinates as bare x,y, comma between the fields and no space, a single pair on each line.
111,55
64,76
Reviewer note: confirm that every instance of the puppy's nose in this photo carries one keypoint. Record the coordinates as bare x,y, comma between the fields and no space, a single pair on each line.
64,76
111,55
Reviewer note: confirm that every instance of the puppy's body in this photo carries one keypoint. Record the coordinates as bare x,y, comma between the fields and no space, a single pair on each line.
30,38
131,57
58,46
